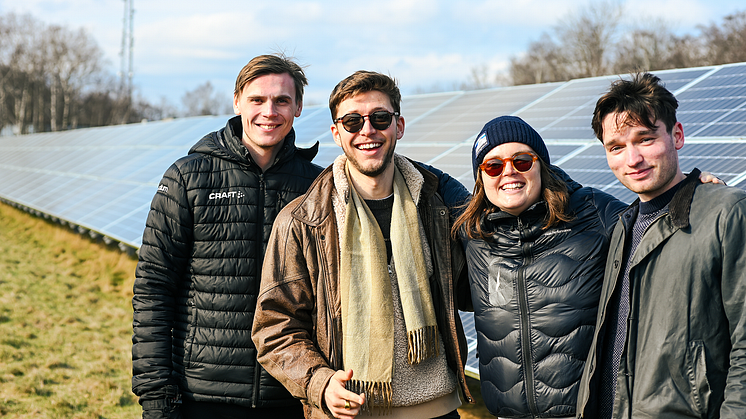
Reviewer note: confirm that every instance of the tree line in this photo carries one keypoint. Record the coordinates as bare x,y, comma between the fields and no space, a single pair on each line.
53,78
592,42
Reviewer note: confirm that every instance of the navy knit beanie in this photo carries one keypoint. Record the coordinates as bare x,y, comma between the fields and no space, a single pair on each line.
506,129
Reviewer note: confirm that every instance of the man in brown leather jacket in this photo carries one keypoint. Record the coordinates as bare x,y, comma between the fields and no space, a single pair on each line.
358,302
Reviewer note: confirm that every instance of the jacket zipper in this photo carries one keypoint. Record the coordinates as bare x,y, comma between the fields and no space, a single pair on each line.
528,362
258,274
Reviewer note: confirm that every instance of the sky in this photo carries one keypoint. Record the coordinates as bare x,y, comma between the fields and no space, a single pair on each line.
180,45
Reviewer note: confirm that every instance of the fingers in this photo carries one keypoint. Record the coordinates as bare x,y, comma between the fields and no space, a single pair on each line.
342,403
707,177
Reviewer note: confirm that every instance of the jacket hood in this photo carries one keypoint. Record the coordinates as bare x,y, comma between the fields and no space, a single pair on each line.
572,185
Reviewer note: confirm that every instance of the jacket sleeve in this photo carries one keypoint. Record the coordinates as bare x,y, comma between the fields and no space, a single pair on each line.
734,302
452,191
284,329
609,208
163,258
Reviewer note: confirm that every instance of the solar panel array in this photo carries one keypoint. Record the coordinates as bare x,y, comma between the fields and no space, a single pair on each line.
101,180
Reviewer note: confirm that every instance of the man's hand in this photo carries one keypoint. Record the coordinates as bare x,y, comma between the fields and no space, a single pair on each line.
707,177
341,403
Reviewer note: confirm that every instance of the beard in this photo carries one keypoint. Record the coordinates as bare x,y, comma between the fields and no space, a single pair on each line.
374,168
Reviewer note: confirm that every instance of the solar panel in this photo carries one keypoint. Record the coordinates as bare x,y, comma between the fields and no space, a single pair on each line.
103,179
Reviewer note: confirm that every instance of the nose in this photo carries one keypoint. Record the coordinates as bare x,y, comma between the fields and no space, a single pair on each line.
367,128
508,168
633,156
269,108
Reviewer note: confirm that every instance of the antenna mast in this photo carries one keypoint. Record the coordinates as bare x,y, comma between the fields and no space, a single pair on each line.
126,54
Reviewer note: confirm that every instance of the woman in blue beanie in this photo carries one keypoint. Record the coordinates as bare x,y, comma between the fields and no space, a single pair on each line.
536,245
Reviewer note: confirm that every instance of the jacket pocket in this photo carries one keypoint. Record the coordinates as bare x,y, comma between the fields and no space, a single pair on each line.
189,340
697,374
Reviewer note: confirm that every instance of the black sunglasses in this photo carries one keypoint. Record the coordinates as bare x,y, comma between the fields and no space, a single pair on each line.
353,122
522,162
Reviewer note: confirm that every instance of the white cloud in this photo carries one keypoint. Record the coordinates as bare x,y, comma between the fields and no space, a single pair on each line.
181,44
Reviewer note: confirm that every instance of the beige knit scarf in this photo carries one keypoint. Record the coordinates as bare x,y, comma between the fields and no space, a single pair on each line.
365,292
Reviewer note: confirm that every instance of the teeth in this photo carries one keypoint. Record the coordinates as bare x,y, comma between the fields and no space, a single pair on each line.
513,186
267,126
369,146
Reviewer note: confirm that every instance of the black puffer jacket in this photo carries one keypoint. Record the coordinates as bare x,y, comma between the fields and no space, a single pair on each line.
198,274
535,294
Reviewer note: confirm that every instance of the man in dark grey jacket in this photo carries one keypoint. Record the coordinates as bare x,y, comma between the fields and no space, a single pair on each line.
200,262
670,338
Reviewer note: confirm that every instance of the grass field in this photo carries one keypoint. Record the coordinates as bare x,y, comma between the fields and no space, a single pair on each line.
66,324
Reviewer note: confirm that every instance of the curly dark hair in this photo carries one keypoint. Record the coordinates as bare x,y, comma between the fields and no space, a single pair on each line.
642,100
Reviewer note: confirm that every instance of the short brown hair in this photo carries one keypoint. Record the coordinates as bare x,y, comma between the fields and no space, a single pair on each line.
362,82
272,64
643,100
553,191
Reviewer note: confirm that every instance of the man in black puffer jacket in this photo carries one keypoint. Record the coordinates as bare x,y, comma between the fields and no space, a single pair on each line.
200,262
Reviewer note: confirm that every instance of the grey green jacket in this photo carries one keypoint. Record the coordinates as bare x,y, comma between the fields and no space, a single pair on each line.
685,352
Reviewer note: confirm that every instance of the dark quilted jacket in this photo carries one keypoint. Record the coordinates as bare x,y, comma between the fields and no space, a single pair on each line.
199,266
535,294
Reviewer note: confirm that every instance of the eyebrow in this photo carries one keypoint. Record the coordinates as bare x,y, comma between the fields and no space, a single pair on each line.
265,97
380,108
646,131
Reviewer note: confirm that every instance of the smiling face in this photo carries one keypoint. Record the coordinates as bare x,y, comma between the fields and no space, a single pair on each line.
512,191
267,107
369,151
645,161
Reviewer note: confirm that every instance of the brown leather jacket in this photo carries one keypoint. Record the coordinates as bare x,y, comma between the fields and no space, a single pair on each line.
297,325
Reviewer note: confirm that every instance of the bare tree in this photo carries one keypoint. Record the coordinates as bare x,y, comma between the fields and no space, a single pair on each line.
203,100
647,48
54,78
587,38
75,59
22,68
581,45
541,64
726,43
480,77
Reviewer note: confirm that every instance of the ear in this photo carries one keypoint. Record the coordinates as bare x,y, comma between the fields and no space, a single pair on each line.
300,108
336,135
399,127
236,108
677,133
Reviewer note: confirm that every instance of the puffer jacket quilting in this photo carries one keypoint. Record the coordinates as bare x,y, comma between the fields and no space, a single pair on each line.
535,294
200,268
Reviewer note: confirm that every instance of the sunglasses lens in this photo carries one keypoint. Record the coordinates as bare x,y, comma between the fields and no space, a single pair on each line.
380,120
523,163
493,168
353,122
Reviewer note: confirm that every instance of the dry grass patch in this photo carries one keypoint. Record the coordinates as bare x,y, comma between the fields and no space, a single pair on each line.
65,323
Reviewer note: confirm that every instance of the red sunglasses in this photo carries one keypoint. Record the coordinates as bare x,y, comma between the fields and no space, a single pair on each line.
522,162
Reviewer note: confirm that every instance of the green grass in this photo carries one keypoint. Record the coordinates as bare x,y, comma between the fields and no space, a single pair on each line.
65,323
